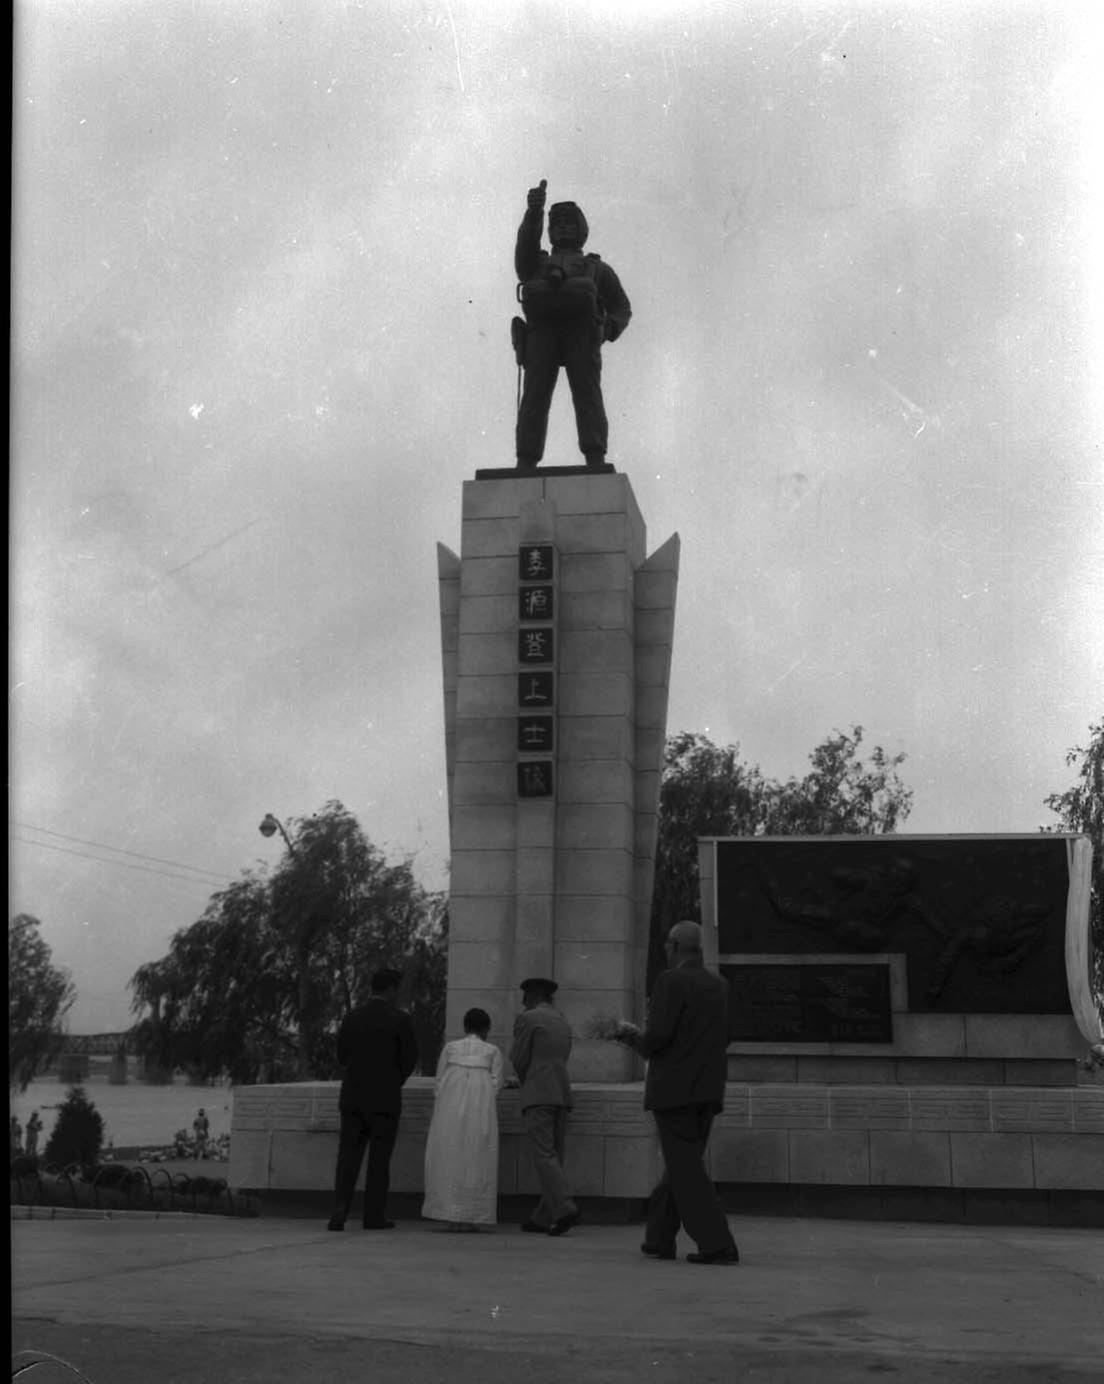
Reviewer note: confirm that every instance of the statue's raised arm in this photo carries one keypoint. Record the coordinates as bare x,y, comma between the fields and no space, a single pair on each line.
573,302
527,251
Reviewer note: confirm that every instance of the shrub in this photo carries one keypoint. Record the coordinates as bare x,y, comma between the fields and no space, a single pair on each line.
78,1131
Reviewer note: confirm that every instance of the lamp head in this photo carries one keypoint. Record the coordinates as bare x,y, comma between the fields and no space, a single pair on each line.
268,825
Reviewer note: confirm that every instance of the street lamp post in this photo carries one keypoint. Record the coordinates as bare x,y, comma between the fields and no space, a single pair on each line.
270,825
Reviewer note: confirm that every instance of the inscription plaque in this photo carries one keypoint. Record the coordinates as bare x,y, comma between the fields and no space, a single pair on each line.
535,562
808,1003
535,646
535,689
534,778
535,734
535,603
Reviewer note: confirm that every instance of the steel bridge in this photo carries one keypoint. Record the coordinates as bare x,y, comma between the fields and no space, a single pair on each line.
96,1044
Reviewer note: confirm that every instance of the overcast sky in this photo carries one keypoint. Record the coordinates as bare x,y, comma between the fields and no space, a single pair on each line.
263,281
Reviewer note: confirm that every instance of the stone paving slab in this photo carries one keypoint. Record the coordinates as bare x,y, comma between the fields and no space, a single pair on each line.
918,1301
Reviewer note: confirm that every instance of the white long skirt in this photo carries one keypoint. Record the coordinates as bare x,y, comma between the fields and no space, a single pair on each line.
461,1162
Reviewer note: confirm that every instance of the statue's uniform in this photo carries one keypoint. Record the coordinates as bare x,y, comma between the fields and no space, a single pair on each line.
572,303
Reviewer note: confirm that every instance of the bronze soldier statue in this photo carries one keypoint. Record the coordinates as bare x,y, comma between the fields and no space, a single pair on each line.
572,304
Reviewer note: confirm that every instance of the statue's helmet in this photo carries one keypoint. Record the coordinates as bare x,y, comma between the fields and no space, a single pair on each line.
565,211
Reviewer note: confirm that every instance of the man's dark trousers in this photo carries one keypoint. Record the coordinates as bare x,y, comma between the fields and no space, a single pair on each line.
685,1194
578,348
376,1132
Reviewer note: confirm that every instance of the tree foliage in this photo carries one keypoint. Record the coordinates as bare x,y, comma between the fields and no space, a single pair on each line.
707,790
39,996
425,984
1081,809
77,1135
257,987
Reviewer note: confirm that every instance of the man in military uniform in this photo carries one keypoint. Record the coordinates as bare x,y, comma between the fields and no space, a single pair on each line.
541,1047
572,303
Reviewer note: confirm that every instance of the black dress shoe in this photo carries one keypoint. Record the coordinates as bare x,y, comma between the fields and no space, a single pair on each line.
336,1223
716,1256
564,1224
658,1251
533,1228
379,1225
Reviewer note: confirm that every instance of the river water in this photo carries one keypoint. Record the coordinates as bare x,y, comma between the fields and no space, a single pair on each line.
133,1113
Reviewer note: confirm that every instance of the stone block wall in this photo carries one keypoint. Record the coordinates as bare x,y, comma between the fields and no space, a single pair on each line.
1023,1138
285,1139
963,1137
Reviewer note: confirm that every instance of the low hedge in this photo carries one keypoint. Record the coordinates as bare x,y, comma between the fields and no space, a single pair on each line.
119,1186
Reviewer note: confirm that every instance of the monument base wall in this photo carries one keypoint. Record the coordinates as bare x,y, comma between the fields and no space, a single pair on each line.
930,1138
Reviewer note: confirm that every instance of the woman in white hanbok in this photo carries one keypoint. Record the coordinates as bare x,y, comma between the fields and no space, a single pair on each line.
461,1162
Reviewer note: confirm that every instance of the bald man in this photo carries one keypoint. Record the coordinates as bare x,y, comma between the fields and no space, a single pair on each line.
685,1042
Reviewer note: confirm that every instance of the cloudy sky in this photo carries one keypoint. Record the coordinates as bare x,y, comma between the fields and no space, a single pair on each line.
262,287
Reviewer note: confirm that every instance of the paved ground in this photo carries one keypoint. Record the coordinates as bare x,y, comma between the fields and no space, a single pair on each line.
185,1300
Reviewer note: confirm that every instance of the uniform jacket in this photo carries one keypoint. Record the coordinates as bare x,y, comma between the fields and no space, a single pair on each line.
685,1040
532,265
542,1045
378,1049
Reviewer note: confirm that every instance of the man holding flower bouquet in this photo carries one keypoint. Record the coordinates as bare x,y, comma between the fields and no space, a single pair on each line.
685,1041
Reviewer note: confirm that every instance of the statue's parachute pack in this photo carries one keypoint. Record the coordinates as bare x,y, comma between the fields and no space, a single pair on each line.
565,290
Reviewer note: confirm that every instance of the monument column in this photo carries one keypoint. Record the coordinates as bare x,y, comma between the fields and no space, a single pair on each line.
556,638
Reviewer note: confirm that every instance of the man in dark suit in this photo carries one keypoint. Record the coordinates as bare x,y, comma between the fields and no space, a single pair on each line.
542,1045
685,1042
377,1047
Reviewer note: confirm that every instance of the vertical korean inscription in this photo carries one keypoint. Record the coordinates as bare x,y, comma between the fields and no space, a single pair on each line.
537,571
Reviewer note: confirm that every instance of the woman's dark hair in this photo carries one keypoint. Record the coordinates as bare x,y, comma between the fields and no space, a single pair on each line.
477,1021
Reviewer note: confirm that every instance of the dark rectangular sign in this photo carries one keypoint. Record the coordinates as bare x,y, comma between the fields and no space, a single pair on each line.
535,646
535,603
809,1003
534,778
535,690
535,562
535,734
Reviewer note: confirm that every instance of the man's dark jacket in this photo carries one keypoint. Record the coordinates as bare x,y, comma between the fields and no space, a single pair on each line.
378,1049
685,1040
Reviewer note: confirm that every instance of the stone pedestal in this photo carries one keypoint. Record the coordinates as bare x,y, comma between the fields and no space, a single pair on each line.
556,643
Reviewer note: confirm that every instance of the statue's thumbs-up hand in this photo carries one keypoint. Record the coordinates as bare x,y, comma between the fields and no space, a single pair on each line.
536,196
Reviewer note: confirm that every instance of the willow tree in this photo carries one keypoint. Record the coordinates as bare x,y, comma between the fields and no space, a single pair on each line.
257,987
40,995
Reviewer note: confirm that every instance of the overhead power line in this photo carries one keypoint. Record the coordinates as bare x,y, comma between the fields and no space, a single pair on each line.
119,850
123,864
206,878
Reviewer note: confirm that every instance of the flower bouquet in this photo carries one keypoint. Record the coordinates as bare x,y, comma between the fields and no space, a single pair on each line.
607,1028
